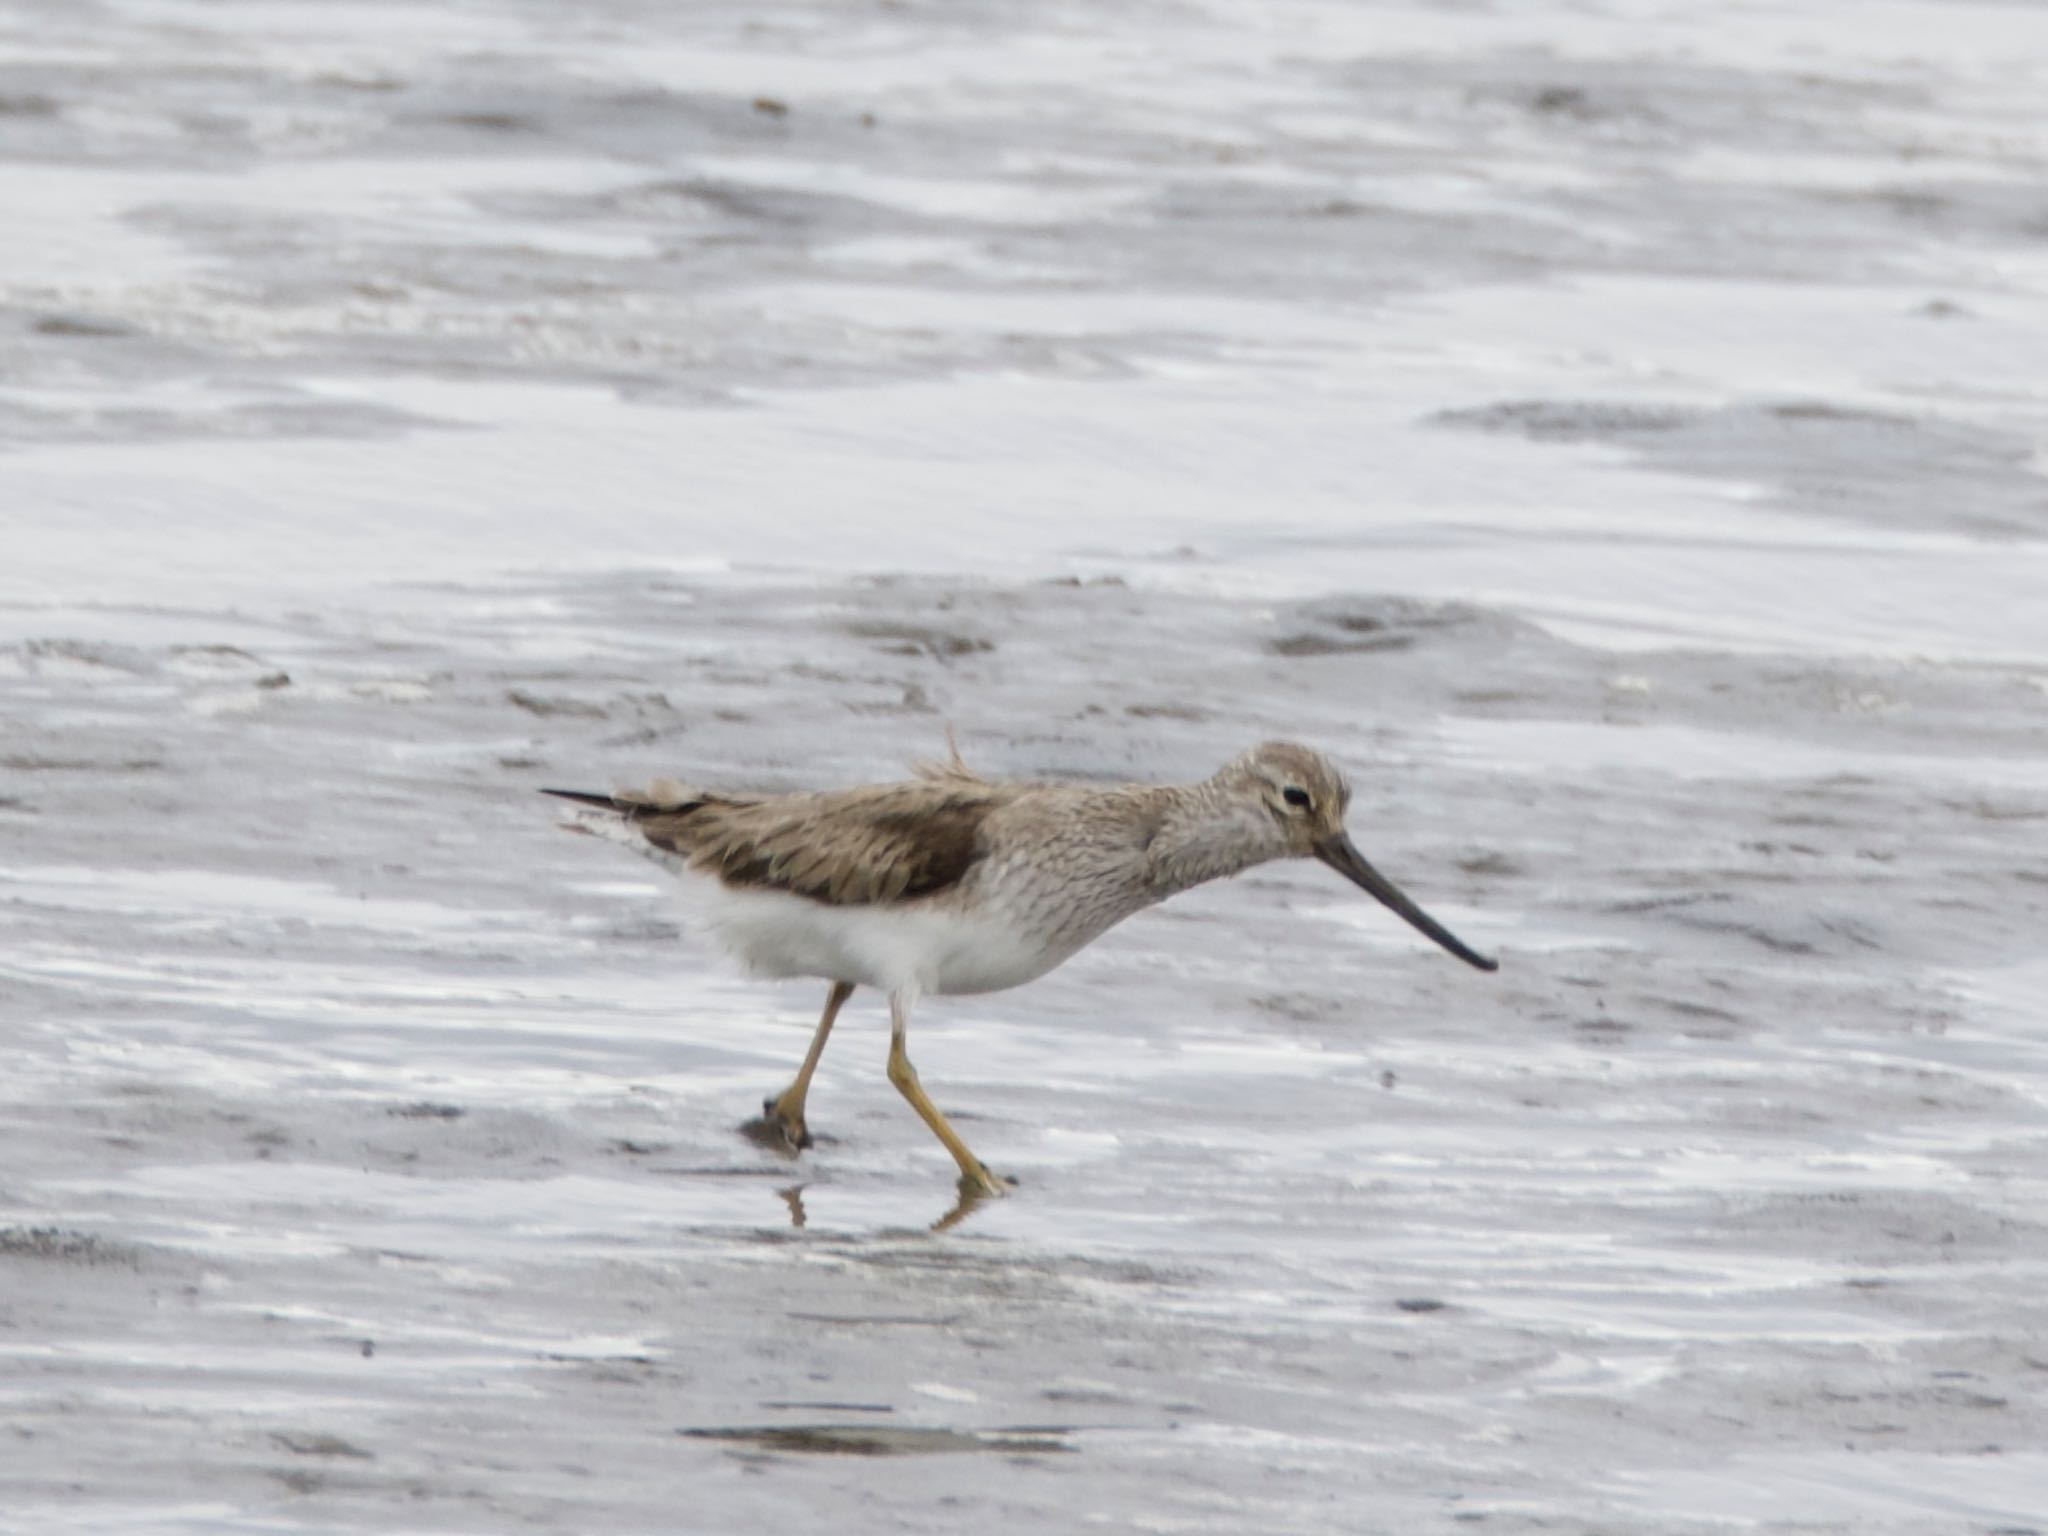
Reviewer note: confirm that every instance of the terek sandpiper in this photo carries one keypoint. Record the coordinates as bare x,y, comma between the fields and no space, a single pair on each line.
950,883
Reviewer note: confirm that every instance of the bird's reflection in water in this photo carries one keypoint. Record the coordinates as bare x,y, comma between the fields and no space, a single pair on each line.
969,1199
793,1197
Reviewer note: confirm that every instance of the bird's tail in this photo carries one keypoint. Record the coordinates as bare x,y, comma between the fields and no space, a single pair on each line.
664,797
585,797
620,818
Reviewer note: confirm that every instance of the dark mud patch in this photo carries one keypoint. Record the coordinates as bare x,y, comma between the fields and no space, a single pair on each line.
30,762
1780,928
626,1146
1567,421
1876,1229
84,327
1310,643
828,1407
494,122
897,639
426,1110
1824,457
877,1320
59,1245
1357,628
547,708
321,1445
1005,1272
889,1440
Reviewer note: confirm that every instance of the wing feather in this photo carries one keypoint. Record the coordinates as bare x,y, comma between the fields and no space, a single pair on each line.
857,847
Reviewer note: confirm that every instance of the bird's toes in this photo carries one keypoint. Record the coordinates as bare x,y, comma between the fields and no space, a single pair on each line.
789,1122
795,1134
778,1130
982,1183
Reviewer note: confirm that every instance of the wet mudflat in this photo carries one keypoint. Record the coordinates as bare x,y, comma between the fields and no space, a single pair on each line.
1614,436
373,1148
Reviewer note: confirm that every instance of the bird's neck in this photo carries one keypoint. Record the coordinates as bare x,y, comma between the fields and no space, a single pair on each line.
1204,834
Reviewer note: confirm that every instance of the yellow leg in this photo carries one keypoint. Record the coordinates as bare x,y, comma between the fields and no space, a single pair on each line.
975,1179
787,1110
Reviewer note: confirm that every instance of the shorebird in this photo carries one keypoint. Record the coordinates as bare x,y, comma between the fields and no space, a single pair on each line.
950,883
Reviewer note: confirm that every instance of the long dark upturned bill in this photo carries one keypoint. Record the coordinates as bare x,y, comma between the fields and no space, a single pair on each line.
1340,854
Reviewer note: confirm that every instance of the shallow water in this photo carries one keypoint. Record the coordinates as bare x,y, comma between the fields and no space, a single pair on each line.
1613,432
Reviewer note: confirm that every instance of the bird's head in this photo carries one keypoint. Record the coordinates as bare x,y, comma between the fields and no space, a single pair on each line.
1307,798
1300,789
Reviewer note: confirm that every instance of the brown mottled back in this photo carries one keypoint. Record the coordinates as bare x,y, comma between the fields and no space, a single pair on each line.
870,846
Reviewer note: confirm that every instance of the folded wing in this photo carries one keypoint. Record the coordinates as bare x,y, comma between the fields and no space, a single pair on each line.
859,847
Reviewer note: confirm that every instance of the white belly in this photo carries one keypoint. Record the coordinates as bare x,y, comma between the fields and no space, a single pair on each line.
933,948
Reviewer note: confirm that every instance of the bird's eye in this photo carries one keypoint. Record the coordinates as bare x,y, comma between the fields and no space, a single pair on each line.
1294,796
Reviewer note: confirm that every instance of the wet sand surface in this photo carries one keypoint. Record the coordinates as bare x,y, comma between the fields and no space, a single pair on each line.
1612,433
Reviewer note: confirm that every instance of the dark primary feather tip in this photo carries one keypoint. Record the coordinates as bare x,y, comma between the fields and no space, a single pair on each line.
584,797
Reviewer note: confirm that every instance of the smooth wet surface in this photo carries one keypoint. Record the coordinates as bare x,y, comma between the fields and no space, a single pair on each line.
1614,436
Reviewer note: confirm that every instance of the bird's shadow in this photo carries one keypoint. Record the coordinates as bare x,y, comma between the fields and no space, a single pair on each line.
766,1132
